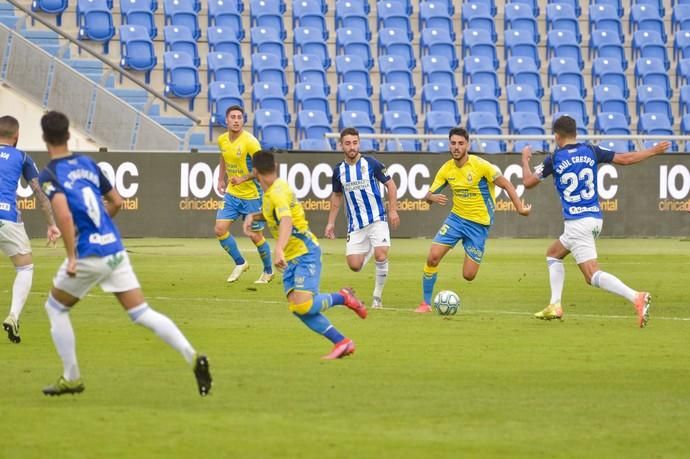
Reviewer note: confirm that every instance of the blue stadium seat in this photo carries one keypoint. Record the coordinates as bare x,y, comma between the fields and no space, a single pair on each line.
480,70
523,98
310,13
681,45
652,99
395,41
562,43
138,13
523,70
312,124
525,123
268,95
136,50
56,7
95,22
574,4
682,72
392,15
491,4
180,39
605,17
437,70
654,124
352,14
478,42
685,126
309,96
535,145
651,71
438,146
488,146
405,5
647,43
396,98
268,14
222,67
681,17
268,67
566,98
533,4
351,69
617,146
308,69
438,122
225,13
354,97
579,121
437,42
519,17
485,123
560,16
352,41
644,17
617,4
315,145
612,123
480,98
181,76
361,122
268,40
394,122
221,95
183,13
447,4
394,70
520,43
653,143
478,16
565,70
609,71
603,43
223,40
657,5
434,15
403,145
684,100
610,99
440,98
310,41
271,130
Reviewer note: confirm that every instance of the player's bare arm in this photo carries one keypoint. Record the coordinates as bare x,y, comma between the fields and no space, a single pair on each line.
53,232
336,202
438,198
393,217
284,232
242,178
249,220
112,202
522,209
64,221
626,159
220,186
529,180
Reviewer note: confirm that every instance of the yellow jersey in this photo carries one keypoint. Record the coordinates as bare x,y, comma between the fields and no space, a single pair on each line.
472,186
238,162
279,201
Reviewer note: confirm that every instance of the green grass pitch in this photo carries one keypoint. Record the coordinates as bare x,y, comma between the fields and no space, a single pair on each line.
488,382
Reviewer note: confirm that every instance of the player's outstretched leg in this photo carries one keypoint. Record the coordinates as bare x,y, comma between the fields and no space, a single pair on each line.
265,254
643,302
63,386
352,302
309,313
341,349
203,375
552,311
11,326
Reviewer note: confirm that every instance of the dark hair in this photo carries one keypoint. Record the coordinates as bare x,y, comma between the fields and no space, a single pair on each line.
264,162
565,126
8,126
233,108
348,131
461,131
55,126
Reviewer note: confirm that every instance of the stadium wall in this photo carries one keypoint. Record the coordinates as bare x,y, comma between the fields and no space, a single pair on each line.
172,195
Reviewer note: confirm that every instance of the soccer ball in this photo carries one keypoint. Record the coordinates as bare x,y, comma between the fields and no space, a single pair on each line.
446,302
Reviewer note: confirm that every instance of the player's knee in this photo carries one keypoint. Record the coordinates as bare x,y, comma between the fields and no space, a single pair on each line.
355,267
469,276
300,309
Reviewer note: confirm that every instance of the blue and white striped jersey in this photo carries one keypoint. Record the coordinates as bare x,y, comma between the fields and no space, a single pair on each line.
574,169
13,165
360,185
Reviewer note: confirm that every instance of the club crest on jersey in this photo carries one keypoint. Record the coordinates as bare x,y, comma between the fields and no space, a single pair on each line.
469,178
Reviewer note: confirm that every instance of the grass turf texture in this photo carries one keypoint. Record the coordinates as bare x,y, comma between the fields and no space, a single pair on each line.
491,381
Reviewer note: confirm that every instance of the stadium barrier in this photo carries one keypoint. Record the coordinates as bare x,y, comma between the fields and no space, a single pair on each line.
173,195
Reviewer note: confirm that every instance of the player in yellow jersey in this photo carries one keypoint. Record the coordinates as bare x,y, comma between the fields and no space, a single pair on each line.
298,255
242,194
472,181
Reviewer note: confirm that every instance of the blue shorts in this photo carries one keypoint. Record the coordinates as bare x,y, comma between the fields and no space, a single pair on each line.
234,207
304,272
473,236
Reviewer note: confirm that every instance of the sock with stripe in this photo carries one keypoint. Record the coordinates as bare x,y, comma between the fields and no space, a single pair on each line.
428,282
381,277
265,253
321,325
612,284
228,243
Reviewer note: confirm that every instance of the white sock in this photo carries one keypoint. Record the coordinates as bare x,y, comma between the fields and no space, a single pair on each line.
63,337
556,278
381,276
612,284
165,328
21,289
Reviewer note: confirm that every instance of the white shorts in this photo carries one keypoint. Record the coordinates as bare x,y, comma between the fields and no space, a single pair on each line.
376,234
13,239
579,237
113,273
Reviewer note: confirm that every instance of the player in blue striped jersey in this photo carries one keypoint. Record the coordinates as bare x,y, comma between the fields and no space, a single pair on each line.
84,203
358,182
14,241
574,168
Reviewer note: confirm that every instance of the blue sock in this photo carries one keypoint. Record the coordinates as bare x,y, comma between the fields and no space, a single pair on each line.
265,253
321,325
227,242
324,301
428,282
